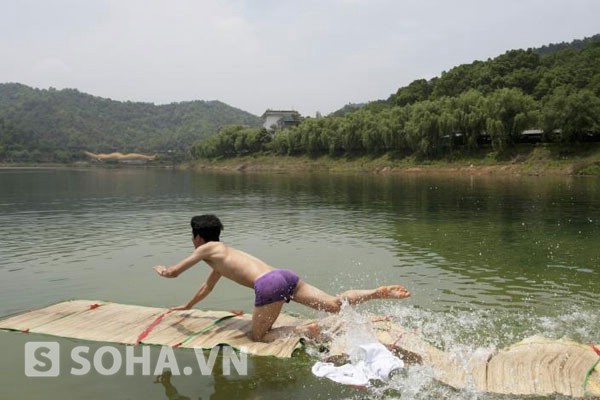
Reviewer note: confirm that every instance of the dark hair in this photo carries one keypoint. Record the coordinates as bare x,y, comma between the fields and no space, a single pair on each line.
208,226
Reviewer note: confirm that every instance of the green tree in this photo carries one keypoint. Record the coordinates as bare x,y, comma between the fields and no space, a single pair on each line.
569,116
395,136
509,113
350,131
372,135
459,79
332,136
279,144
423,129
470,117
416,91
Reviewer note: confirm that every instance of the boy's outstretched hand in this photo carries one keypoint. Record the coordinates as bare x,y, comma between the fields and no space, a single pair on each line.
163,271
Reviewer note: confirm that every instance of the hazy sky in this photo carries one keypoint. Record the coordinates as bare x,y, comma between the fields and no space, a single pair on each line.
301,54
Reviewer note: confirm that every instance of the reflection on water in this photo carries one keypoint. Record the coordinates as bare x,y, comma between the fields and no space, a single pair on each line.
268,379
488,260
170,390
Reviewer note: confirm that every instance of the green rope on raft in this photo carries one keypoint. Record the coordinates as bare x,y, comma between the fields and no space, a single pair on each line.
589,373
206,328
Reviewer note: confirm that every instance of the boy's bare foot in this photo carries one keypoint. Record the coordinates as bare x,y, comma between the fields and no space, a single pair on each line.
393,292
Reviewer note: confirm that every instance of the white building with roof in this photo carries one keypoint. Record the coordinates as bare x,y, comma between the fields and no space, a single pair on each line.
280,119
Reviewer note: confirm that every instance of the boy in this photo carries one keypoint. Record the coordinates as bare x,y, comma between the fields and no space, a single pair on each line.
272,287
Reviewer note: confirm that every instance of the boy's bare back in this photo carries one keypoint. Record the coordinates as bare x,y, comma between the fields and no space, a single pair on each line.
231,263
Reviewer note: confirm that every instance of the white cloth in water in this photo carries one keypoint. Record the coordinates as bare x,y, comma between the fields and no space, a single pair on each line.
370,361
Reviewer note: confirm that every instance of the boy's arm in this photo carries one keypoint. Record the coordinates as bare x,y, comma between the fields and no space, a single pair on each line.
204,291
174,270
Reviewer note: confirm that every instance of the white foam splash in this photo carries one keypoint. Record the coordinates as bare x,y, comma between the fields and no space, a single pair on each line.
349,329
466,335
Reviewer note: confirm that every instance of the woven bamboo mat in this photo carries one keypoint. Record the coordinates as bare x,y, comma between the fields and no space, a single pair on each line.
131,324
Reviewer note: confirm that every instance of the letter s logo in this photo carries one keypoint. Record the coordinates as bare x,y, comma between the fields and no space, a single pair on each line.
42,359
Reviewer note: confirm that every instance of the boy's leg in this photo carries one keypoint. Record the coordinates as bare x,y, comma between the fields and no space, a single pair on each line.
309,330
313,297
263,318
316,298
356,296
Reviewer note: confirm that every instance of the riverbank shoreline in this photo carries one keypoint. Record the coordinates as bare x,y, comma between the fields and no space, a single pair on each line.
532,160
528,160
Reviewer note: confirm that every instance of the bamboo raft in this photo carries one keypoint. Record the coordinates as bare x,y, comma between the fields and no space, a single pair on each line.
534,366
134,325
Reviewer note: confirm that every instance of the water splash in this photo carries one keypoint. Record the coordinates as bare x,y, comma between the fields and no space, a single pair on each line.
465,335
348,330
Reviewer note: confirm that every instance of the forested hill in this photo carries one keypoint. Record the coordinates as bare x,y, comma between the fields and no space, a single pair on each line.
551,94
56,125
536,72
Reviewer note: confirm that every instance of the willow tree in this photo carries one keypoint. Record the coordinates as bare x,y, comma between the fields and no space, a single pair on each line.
470,117
509,113
570,117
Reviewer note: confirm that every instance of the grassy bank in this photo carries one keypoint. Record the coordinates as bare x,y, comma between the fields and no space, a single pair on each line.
540,159
529,159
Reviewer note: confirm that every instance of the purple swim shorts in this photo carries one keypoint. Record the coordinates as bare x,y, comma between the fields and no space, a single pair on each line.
275,285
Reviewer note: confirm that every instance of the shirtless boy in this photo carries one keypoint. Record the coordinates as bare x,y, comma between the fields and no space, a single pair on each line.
272,287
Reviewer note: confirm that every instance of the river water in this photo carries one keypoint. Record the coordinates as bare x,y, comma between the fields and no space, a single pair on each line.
489,261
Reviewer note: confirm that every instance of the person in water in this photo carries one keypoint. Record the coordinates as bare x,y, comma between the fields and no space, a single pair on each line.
272,287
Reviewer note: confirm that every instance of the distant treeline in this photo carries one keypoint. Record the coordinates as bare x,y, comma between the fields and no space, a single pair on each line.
58,125
555,89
